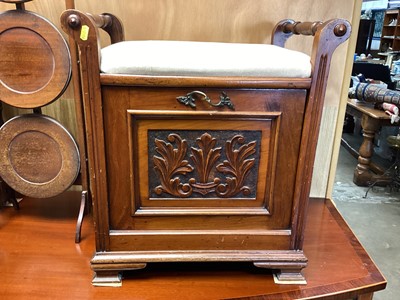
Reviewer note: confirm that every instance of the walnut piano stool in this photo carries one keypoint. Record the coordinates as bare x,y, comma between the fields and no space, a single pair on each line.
196,155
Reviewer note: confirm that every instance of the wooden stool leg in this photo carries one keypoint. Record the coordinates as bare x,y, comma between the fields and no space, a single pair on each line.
107,278
80,217
290,276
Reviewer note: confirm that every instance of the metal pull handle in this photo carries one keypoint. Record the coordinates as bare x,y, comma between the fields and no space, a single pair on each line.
190,99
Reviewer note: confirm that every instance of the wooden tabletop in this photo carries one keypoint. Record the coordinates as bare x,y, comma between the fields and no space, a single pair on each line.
368,109
39,260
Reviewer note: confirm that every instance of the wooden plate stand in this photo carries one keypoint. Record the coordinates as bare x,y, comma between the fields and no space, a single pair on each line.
39,157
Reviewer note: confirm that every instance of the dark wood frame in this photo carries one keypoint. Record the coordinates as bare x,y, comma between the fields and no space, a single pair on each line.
106,262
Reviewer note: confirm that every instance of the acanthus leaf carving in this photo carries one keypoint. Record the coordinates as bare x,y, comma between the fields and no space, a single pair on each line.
172,163
205,158
237,165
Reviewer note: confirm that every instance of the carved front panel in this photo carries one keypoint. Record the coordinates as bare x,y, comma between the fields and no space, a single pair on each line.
203,164
199,163
135,118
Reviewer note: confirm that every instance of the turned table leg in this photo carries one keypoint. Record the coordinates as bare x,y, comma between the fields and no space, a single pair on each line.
367,296
362,173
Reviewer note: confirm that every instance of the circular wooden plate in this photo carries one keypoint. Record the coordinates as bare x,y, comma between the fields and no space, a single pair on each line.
35,63
38,156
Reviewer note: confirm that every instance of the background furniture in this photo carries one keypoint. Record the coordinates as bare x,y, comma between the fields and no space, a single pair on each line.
374,71
364,36
391,31
371,121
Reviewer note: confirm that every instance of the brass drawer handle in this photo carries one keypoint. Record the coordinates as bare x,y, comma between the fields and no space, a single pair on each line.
190,99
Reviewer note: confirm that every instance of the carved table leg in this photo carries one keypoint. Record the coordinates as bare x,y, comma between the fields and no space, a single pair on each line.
362,174
368,296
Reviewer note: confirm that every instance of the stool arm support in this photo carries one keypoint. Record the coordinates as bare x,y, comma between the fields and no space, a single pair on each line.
110,24
286,28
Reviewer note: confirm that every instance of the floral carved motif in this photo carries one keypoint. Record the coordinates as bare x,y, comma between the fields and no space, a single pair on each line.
237,165
208,174
204,158
172,163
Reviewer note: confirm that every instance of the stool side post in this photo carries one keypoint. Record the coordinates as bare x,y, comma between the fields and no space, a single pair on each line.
328,37
81,28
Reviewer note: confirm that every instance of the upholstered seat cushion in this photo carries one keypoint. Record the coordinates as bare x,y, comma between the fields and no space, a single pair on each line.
178,58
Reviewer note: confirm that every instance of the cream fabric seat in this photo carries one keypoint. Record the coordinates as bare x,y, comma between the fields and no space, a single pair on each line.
179,58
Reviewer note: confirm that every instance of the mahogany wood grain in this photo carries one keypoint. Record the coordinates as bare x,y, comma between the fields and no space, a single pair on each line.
187,81
328,37
42,261
118,100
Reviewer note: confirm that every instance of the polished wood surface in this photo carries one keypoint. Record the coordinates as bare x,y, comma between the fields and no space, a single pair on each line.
207,229
39,258
358,109
366,171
